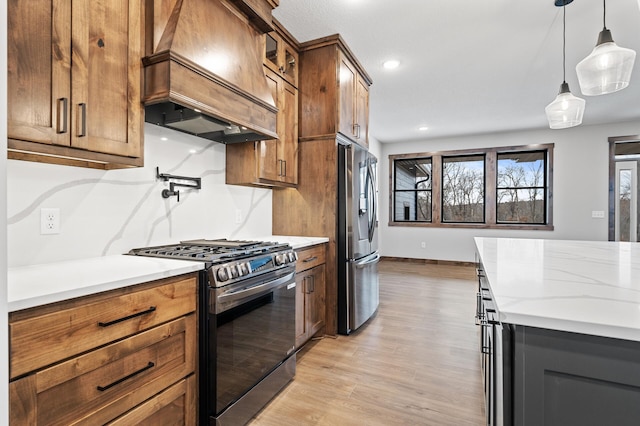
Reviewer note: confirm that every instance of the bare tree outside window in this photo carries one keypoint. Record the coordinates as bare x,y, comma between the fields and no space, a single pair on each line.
521,187
463,189
625,204
519,180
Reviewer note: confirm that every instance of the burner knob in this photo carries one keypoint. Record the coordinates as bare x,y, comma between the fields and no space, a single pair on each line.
244,269
235,271
223,274
281,259
292,256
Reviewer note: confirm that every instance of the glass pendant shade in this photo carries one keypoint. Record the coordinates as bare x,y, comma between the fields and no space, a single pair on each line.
607,69
566,110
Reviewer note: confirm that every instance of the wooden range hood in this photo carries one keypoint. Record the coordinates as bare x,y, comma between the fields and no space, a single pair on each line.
203,70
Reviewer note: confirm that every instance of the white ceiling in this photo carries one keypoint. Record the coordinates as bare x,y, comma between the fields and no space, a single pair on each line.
470,66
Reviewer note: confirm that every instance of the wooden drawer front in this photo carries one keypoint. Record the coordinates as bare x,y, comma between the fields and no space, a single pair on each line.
101,385
45,339
310,257
175,406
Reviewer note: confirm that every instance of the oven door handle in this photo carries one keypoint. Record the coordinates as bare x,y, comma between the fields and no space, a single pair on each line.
261,288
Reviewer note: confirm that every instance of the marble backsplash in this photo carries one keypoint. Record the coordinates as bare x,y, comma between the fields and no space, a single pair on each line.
110,212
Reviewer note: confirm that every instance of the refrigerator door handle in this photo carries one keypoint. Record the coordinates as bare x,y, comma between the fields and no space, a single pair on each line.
371,196
369,260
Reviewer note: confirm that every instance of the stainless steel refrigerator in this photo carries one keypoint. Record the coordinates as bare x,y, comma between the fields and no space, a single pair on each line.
358,291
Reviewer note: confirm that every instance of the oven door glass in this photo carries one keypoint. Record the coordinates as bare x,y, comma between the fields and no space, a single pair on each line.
252,339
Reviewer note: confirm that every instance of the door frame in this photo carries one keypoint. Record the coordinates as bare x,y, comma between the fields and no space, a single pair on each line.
612,178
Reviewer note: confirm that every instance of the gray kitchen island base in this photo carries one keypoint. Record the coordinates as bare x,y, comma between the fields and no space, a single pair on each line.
564,378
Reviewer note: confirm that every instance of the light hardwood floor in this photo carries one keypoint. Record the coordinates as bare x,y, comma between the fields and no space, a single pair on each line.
415,363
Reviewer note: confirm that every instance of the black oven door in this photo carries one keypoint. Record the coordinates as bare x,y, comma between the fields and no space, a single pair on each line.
254,333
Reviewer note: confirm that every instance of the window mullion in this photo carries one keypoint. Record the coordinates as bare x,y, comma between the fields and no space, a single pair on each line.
491,183
436,189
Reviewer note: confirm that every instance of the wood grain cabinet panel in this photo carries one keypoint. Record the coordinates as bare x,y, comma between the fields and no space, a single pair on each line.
175,406
140,369
274,162
68,332
311,257
310,293
334,91
74,82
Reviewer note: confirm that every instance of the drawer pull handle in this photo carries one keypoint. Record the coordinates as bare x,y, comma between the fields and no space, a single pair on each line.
135,373
137,314
310,259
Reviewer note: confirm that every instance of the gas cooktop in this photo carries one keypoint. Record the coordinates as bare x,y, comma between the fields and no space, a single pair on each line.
211,250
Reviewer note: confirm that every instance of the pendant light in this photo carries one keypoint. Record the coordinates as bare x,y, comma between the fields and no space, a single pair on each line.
608,68
566,110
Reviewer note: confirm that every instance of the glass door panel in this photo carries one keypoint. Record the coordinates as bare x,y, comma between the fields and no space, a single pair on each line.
626,201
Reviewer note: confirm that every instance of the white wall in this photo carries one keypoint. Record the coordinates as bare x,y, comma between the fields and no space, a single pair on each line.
580,185
111,212
4,338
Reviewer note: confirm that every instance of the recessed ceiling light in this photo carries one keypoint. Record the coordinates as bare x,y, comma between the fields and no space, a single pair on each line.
391,64
164,138
423,128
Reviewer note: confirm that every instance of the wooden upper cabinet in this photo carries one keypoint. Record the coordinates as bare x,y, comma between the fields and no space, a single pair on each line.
281,57
272,162
334,91
74,82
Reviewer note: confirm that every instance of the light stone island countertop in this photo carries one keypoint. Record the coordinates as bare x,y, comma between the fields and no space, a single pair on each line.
589,287
36,285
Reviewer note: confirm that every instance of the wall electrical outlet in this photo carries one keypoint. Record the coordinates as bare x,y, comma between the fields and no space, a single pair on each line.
423,244
49,221
238,216
597,214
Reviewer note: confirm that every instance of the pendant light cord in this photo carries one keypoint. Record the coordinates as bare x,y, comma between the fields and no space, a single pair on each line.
604,14
564,42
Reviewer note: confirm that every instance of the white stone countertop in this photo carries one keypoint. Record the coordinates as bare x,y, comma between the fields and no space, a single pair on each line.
295,242
36,285
588,287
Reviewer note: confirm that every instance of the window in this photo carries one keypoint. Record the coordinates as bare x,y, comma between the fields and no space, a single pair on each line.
463,189
521,187
507,187
412,195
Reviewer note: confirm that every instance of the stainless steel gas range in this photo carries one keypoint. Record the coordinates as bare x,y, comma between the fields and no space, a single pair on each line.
246,323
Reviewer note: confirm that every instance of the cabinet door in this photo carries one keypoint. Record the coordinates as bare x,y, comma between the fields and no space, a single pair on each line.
288,144
39,62
281,57
268,150
290,64
310,303
362,112
301,317
315,301
106,110
347,104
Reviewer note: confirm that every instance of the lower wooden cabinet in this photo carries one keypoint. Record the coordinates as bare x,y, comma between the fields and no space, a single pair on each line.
144,374
174,406
310,293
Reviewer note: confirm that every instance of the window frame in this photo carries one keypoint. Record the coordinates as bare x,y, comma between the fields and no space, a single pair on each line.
484,186
490,188
415,191
543,188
